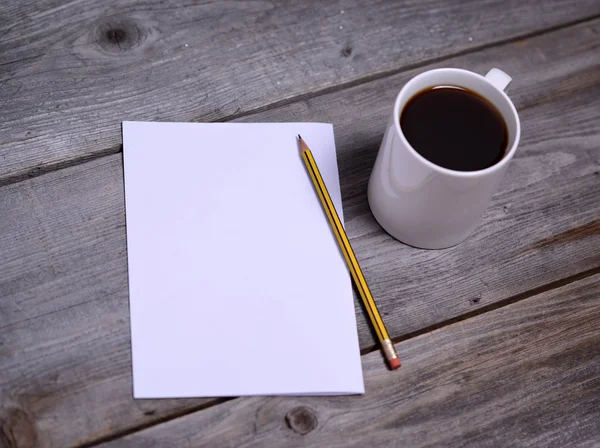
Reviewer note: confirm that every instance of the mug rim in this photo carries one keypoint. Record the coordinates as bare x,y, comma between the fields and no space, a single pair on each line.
447,171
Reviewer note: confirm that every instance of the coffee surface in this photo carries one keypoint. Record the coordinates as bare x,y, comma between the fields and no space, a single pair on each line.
455,128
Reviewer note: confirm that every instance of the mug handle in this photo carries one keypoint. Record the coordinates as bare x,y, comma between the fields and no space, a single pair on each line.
498,79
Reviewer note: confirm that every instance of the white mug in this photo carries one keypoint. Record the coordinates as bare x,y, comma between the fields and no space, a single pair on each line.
423,204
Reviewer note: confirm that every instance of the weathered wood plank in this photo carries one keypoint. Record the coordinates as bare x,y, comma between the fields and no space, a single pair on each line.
64,332
526,375
65,367
70,72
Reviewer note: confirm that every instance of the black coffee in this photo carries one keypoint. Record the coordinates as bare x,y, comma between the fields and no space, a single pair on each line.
455,128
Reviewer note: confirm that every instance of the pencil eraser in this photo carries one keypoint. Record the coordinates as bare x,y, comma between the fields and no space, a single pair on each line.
395,363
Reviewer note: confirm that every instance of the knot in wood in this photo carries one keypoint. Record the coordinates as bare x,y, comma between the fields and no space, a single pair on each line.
16,429
116,36
301,420
346,51
119,35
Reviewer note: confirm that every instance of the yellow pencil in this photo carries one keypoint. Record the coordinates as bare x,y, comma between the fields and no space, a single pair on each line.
342,239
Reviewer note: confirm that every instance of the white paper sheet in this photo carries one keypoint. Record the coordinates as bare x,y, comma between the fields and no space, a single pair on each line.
237,286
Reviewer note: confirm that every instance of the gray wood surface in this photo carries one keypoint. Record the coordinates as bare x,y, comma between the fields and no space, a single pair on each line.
70,72
526,375
548,206
65,373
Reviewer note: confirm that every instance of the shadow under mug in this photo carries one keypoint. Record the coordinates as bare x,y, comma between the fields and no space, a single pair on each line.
423,204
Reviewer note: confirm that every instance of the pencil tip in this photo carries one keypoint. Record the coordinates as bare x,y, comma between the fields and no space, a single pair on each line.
302,144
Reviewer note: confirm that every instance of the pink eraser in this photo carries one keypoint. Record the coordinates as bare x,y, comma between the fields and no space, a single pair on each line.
394,363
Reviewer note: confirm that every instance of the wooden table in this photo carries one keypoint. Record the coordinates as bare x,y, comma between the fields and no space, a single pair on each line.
499,336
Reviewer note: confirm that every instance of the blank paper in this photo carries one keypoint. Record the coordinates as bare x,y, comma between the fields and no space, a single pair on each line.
237,286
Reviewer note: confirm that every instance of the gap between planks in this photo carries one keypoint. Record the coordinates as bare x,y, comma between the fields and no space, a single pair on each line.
39,171
135,429
493,306
501,304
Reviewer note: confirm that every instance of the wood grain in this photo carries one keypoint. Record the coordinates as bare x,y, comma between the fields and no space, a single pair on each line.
65,372
526,375
70,72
